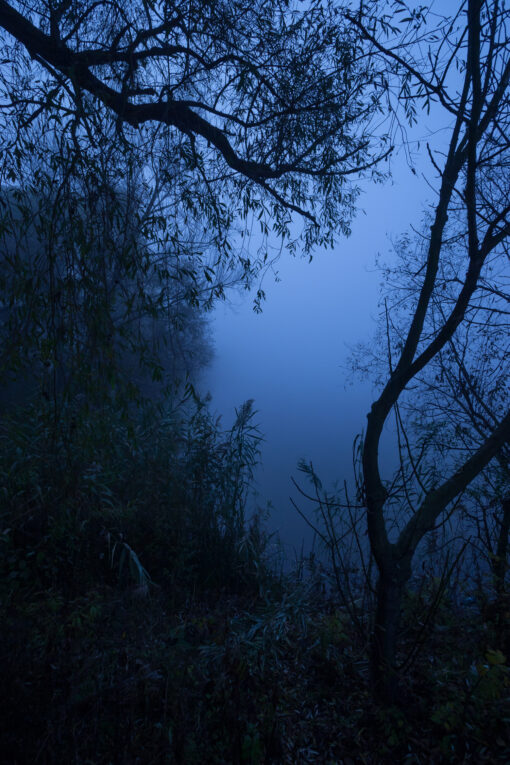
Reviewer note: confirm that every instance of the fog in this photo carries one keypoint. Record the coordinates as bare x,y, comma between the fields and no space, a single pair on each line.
293,358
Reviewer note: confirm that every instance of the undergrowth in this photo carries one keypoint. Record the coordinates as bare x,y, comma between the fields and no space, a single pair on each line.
142,622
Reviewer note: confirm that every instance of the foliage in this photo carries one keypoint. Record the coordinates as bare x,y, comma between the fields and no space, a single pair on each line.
141,621
274,676
338,525
85,310
237,114
121,500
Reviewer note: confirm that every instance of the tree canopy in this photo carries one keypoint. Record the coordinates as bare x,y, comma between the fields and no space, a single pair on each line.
82,310
228,109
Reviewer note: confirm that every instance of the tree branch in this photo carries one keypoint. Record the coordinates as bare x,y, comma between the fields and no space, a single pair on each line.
438,499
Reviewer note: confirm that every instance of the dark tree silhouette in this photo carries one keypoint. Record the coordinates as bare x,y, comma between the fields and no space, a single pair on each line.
473,189
234,107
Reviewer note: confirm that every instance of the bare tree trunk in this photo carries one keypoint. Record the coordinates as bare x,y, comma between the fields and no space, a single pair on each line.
500,563
385,636
499,568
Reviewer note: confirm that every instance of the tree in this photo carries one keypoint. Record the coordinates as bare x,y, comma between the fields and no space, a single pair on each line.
83,312
231,110
473,192
462,395
224,115
454,403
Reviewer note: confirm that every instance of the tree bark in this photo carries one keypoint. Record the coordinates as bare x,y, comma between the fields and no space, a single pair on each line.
499,569
500,563
384,638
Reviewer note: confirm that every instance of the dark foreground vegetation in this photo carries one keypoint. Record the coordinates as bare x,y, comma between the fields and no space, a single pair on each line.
144,620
